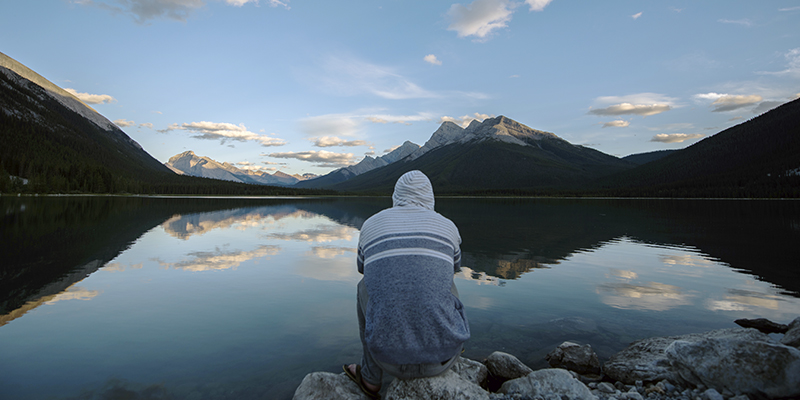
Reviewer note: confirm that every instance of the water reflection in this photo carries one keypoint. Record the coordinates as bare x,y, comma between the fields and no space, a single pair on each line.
211,295
220,258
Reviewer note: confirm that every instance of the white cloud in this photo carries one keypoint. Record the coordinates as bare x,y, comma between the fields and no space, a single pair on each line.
637,15
322,158
789,9
224,132
333,141
91,98
675,137
180,10
480,17
431,58
635,109
398,119
616,124
465,120
744,22
643,104
123,123
730,102
147,125
793,58
537,5
272,3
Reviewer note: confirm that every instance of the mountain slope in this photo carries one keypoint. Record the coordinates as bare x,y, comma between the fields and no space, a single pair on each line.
498,154
53,139
753,159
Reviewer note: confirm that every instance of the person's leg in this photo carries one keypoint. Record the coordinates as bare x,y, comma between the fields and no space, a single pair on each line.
370,370
411,371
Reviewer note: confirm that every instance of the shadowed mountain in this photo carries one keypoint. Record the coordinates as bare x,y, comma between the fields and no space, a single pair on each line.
757,158
498,154
644,158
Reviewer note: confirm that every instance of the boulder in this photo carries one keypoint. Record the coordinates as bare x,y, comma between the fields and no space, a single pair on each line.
574,357
328,386
506,367
763,325
545,382
471,371
448,385
645,360
738,365
792,336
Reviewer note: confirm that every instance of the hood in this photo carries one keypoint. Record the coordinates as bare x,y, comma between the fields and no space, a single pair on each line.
413,189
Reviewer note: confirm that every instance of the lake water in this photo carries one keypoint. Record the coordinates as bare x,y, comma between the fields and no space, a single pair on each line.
198,298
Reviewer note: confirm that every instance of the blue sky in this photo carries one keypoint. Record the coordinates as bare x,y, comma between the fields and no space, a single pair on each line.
309,86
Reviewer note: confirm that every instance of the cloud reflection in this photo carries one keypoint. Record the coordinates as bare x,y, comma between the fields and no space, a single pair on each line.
482,278
651,296
689,260
319,235
744,300
220,259
331,251
71,293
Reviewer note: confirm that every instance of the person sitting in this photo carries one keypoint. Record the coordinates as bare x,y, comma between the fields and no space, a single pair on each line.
411,321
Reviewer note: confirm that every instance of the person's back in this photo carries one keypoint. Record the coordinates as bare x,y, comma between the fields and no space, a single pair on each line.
411,321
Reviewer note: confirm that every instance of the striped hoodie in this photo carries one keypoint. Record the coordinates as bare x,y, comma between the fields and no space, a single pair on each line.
408,255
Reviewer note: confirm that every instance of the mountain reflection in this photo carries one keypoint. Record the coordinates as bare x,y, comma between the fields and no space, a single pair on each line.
49,244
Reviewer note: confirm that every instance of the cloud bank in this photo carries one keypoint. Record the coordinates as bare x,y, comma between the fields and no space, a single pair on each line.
179,10
675,137
321,158
224,132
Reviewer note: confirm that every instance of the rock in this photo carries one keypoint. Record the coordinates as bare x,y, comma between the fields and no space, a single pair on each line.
328,386
738,364
606,387
448,385
792,336
712,394
545,382
645,360
763,325
574,357
471,371
505,366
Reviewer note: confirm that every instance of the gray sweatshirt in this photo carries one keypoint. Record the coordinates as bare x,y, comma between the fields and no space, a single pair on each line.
408,255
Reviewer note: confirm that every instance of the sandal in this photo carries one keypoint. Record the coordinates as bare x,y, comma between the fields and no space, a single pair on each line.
358,380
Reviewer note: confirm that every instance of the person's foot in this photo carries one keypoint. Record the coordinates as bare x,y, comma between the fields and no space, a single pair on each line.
371,387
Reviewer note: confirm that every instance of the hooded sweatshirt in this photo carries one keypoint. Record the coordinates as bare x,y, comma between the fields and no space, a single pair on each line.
408,255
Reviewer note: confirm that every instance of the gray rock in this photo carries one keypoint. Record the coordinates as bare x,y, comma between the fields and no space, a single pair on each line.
606,387
738,365
505,366
471,370
328,386
712,394
574,357
763,325
645,360
545,382
792,336
448,385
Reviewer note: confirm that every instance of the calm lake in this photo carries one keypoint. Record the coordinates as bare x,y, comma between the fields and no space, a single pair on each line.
210,298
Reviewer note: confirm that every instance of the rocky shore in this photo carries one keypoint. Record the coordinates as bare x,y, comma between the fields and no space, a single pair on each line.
727,364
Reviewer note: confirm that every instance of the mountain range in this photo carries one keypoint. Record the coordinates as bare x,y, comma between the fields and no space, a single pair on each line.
188,163
61,145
